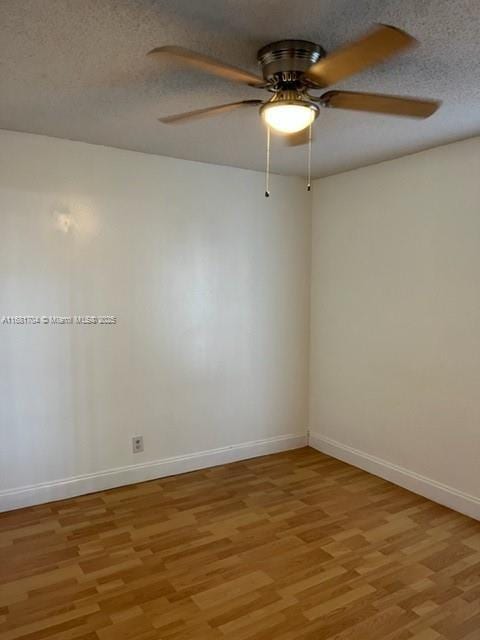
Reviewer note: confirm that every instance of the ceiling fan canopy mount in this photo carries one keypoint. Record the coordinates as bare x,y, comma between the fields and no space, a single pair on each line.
286,61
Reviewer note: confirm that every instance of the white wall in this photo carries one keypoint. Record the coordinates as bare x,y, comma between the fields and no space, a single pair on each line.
210,284
395,360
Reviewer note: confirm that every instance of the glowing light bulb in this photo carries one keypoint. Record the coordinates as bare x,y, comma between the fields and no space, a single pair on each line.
288,118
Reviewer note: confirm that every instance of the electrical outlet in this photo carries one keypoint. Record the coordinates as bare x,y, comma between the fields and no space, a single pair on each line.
137,444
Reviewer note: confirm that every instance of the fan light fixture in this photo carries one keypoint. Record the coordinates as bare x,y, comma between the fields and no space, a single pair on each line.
288,118
288,115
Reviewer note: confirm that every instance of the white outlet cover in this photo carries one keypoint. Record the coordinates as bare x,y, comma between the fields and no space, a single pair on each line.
137,444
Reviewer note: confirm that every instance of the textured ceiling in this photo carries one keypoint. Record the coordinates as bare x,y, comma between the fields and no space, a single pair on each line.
77,69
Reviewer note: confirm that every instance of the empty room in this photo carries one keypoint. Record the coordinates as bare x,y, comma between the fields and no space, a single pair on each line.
239,320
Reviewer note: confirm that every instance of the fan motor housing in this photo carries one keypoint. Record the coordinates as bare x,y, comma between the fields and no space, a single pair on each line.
286,61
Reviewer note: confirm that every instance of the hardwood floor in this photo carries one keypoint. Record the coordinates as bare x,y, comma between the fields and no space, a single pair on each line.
290,546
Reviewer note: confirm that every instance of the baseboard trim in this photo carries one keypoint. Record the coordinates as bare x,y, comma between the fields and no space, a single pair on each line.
120,476
431,489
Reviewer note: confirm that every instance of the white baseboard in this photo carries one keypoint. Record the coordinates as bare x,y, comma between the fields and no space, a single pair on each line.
110,478
431,489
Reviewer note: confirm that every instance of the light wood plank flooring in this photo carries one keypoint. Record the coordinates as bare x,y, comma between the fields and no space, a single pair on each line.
290,546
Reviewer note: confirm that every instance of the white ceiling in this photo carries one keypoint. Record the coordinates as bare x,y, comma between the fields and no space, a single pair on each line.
77,69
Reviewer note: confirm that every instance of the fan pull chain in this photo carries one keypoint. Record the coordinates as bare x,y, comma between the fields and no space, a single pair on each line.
267,170
309,170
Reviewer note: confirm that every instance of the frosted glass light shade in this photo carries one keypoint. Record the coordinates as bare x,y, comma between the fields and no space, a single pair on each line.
288,118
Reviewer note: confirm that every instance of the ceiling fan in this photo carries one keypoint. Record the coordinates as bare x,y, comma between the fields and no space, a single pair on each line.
291,69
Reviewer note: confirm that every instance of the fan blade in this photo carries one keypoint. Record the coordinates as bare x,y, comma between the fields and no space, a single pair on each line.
378,103
210,65
297,139
209,111
381,43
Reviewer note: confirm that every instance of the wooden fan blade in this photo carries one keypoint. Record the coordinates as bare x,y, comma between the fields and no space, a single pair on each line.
210,65
378,103
208,111
384,41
